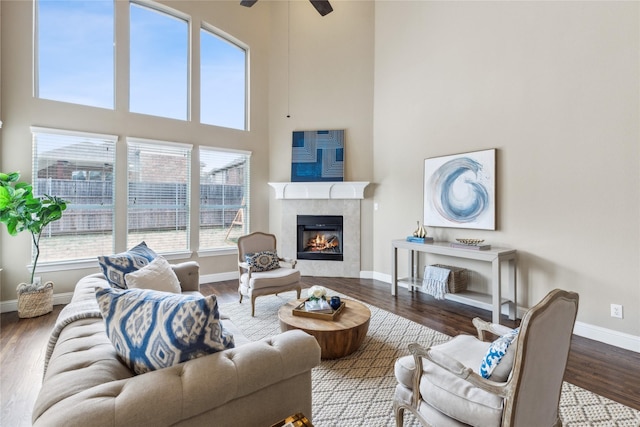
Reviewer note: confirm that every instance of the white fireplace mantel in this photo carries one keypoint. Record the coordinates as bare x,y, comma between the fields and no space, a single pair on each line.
319,190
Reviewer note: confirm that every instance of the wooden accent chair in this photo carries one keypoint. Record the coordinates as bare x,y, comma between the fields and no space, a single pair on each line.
441,385
264,274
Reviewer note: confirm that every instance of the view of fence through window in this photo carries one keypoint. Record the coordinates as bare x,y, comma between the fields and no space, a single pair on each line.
79,167
158,194
74,62
224,197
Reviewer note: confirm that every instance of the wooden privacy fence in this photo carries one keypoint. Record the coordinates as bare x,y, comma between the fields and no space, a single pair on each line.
151,206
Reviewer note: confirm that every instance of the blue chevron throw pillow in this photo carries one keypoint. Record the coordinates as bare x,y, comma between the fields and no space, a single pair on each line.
153,330
116,266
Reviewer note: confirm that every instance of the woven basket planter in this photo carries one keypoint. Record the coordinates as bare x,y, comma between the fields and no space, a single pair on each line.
458,278
35,303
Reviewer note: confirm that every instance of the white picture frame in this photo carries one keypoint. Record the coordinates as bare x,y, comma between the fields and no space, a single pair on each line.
460,190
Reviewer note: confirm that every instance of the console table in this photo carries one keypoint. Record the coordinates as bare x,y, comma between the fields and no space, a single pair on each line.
494,255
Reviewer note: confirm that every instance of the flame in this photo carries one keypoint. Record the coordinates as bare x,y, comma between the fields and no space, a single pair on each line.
321,243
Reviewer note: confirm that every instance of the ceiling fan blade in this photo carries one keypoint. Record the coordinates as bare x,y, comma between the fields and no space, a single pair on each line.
322,6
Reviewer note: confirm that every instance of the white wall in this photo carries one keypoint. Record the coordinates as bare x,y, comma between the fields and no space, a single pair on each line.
554,86
325,83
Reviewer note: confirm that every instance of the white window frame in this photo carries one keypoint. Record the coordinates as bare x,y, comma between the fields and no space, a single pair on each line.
177,15
228,249
75,263
230,39
152,143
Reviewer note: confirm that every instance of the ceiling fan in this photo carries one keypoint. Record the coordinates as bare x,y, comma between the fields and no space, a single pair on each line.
322,6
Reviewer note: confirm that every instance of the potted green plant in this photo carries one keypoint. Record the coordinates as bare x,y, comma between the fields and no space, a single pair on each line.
21,211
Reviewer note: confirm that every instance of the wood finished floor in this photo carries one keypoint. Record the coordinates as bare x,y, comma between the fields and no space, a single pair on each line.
600,368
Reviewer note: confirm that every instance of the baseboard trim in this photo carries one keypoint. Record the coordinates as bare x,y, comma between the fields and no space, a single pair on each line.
65,297
58,299
585,330
608,336
218,277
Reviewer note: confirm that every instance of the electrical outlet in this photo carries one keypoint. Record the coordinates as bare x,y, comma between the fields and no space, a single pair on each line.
616,311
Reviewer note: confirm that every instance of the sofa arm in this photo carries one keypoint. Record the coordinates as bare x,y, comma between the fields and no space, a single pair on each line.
203,391
188,275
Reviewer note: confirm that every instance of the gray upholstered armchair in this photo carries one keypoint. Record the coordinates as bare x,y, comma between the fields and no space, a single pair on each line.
442,385
260,268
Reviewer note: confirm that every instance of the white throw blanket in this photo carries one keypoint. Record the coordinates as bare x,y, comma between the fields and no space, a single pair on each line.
436,281
73,311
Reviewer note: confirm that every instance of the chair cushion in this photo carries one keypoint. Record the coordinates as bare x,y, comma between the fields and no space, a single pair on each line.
263,261
497,354
116,266
449,394
157,275
279,277
152,330
474,349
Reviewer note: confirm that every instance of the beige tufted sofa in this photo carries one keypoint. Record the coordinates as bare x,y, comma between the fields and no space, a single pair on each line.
255,384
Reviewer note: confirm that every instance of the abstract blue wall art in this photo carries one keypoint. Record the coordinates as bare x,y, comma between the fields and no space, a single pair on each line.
459,190
317,155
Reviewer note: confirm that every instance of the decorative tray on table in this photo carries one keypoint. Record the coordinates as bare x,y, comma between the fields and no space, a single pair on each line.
324,314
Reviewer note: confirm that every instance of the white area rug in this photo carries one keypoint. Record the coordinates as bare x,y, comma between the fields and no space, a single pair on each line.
358,390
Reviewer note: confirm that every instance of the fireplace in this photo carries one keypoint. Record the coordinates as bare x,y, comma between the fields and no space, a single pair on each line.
319,237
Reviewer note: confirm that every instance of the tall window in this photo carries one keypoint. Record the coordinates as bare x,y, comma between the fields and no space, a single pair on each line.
75,51
224,197
77,167
158,210
222,81
159,58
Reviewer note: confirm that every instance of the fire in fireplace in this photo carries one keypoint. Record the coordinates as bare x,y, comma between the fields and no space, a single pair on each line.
320,237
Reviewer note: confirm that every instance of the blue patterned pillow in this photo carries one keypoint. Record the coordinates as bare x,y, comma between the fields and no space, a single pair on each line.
115,267
496,352
263,261
153,330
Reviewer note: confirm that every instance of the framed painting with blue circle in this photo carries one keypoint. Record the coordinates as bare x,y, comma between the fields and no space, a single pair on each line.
317,156
460,190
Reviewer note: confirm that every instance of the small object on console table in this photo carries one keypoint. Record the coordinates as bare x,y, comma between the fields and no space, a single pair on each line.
476,246
414,239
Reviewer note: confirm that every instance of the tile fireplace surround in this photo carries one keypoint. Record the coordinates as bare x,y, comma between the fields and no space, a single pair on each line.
322,198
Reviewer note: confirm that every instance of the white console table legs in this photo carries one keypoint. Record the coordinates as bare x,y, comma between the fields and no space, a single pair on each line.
496,256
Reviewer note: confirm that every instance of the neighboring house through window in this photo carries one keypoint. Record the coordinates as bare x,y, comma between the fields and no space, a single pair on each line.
77,167
74,61
224,197
158,193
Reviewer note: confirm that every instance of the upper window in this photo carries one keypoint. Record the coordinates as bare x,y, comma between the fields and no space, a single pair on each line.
75,61
224,197
75,52
158,211
222,82
77,167
159,58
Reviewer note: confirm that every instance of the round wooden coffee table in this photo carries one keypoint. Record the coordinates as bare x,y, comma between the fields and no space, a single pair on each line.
337,338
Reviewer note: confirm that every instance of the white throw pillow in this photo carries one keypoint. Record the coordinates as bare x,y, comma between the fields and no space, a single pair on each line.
157,275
